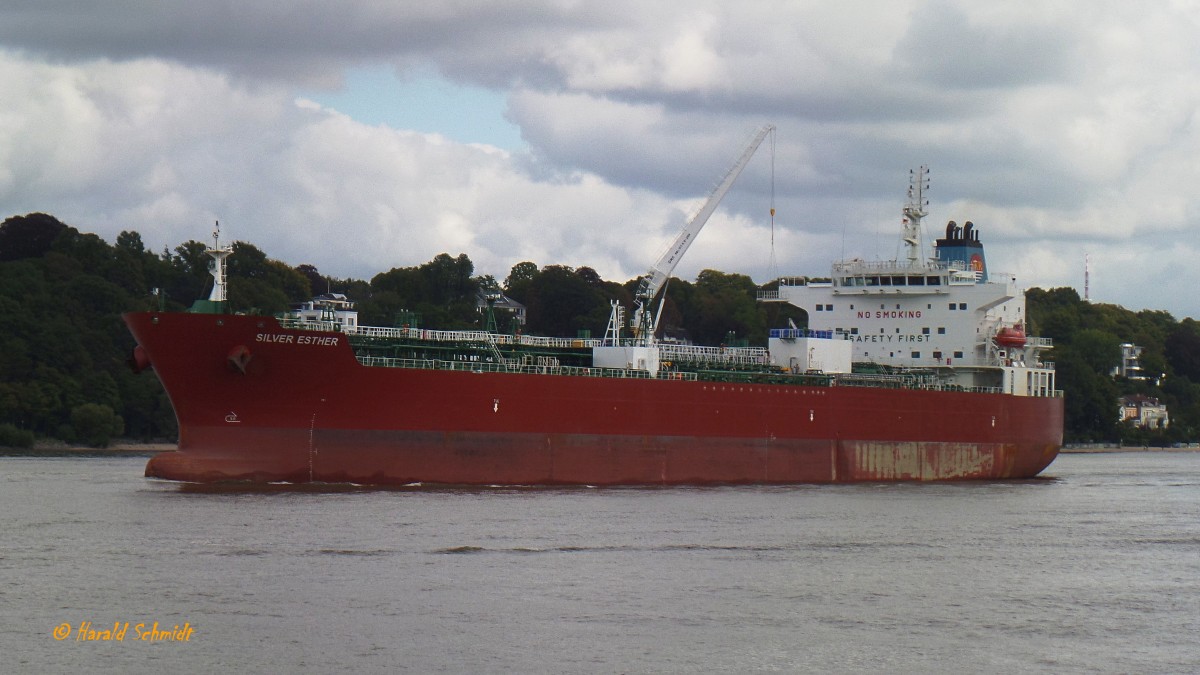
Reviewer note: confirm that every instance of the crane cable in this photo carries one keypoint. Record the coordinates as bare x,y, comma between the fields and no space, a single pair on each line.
772,266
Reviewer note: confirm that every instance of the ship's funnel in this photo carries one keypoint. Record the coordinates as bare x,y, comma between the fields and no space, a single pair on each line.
962,245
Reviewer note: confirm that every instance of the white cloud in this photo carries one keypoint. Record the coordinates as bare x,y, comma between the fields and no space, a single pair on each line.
1069,129
185,147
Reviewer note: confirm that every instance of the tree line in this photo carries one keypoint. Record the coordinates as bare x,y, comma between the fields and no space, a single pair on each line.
63,350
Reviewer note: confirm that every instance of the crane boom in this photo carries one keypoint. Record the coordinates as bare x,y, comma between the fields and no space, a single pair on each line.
658,275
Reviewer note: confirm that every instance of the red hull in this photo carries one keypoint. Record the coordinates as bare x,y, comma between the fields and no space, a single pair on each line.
256,401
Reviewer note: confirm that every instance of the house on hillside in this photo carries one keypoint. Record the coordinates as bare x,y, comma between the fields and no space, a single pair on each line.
1131,363
1143,411
501,304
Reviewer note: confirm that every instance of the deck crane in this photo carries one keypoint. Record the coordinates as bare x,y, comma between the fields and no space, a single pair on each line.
643,324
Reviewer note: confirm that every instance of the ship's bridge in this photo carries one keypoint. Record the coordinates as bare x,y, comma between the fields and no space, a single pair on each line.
868,276
864,278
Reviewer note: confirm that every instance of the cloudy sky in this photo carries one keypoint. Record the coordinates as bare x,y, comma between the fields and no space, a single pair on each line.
363,135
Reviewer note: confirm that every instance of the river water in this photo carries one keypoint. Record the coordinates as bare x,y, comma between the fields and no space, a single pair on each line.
1095,567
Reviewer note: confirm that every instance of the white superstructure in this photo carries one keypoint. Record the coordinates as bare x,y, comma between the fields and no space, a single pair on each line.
946,314
332,310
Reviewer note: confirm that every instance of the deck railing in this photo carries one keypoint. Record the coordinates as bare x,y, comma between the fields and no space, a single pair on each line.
528,369
764,379
690,355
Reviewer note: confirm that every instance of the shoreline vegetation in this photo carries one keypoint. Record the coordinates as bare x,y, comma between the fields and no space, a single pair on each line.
52,448
64,373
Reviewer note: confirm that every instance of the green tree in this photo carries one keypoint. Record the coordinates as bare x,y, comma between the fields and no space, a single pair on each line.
680,300
12,437
256,296
516,285
558,302
1087,338
28,236
1053,313
132,263
443,290
96,424
1183,349
1100,350
260,284
1090,405
317,284
724,303
187,278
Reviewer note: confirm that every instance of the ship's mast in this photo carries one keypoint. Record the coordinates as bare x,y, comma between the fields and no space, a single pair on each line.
217,268
914,211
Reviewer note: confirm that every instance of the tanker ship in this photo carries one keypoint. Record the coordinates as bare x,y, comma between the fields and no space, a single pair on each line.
915,369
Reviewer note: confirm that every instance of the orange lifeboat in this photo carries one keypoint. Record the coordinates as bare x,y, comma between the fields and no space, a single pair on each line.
1011,336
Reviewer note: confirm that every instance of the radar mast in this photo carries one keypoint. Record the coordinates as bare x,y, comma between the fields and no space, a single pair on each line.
914,211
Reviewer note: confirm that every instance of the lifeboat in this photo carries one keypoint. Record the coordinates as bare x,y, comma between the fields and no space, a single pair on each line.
1011,336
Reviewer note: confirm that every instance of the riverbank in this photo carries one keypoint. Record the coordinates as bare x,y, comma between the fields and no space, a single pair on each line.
1082,449
58,448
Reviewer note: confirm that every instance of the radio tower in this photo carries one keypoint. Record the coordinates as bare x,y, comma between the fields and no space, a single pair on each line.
1087,272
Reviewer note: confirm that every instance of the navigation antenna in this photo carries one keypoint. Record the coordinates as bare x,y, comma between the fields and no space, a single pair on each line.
914,211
